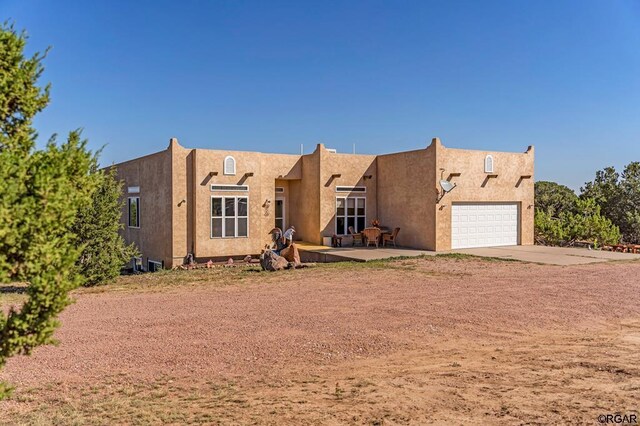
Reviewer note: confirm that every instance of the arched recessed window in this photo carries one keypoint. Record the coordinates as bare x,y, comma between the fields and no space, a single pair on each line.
229,165
488,164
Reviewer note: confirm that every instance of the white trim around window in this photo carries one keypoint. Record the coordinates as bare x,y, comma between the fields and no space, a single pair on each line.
136,217
488,164
215,187
280,221
357,189
229,165
350,211
229,216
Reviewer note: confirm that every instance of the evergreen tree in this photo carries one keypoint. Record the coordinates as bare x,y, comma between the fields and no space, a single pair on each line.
553,198
618,195
587,224
96,229
41,192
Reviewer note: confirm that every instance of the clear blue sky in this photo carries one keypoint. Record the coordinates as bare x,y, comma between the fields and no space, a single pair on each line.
268,75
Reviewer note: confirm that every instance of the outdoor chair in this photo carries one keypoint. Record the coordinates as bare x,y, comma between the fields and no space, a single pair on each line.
633,248
371,235
390,237
356,236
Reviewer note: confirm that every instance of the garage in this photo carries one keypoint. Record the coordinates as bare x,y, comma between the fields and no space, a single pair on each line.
484,225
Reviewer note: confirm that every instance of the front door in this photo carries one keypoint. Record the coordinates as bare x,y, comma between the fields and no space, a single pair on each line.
280,213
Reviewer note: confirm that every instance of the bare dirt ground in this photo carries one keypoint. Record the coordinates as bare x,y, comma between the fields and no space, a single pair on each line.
408,342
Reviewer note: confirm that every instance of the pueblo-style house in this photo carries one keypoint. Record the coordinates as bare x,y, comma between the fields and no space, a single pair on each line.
217,204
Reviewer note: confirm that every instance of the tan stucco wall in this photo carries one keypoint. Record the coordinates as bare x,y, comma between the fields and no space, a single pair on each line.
401,191
473,185
181,205
352,169
406,196
153,175
266,169
304,198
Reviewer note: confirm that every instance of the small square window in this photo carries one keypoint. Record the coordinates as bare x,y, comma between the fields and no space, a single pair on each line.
154,266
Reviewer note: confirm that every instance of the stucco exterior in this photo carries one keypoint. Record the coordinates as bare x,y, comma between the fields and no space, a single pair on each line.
400,189
510,181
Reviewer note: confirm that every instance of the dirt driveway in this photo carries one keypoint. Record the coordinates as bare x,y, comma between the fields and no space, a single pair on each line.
408,342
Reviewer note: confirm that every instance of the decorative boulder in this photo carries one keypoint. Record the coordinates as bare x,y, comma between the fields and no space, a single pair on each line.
292,255
272,262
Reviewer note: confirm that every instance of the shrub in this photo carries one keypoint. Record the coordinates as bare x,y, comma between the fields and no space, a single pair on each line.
587,224
97,229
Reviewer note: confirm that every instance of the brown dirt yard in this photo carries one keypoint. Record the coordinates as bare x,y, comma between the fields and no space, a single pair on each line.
450,339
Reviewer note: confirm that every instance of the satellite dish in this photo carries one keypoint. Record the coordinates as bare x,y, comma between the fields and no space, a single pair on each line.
446,185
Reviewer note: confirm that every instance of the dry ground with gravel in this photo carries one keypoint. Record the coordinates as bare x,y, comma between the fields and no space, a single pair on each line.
441,339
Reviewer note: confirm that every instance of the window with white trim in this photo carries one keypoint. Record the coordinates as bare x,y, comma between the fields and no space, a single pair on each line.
488,164
351,189
222,187
134,212
229,165
350,211
229,217
279,216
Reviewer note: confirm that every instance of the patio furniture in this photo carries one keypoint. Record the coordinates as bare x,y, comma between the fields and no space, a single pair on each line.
336,241
371,235
383,231
356,236
633,248
390,237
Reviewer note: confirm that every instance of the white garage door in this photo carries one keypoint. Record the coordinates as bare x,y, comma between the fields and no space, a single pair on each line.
484,225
